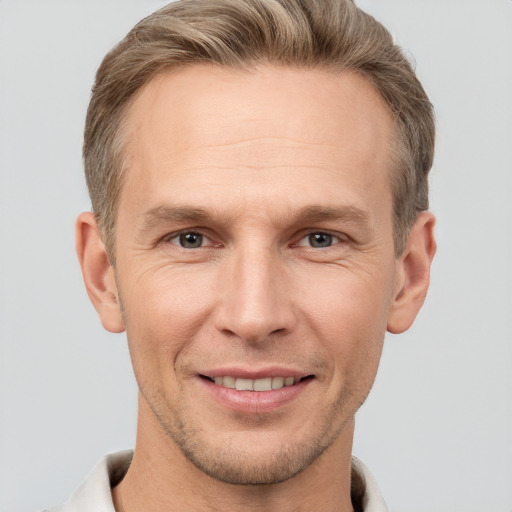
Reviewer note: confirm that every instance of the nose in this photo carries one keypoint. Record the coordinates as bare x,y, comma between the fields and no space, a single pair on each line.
255,301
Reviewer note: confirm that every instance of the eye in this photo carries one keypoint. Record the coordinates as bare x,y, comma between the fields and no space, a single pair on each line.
189,240
319,240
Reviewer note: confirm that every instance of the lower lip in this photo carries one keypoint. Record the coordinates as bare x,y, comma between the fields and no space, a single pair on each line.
255,402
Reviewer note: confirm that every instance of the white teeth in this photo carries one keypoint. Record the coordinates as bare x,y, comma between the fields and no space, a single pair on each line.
289,381
228,382
265,384
244,384
277,382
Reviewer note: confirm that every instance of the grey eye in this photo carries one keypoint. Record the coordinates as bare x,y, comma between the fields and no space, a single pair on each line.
320,240
190,240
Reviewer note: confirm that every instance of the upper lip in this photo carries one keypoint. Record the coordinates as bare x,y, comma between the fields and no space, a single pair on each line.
259,373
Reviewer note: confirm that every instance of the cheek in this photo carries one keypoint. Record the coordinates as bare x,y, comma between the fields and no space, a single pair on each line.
163,312
348,314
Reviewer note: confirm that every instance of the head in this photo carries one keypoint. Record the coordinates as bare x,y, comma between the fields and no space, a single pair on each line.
258,176
333,35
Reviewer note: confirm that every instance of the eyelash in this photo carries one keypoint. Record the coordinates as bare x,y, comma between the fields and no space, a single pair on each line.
179,234
336,239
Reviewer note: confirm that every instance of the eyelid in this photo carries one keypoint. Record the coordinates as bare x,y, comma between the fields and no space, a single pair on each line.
168,238
341,237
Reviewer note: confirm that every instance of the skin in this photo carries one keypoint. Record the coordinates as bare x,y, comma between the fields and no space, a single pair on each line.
256,168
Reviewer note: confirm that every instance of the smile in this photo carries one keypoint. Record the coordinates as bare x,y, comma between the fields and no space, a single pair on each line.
264,393
263,384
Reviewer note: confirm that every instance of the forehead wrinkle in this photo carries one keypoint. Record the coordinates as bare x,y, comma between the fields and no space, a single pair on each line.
240,155
264,140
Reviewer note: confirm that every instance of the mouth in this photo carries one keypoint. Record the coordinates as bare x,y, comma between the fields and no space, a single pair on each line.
261,384
251,391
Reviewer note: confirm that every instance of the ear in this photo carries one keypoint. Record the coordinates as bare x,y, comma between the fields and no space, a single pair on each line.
413,274
97,272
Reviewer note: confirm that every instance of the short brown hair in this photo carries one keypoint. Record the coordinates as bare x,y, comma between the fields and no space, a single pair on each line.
331,34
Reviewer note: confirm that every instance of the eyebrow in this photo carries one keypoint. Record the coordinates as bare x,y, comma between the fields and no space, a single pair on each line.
308,214
166,214
323,213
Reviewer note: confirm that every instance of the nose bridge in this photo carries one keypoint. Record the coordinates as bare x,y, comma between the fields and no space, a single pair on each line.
256,303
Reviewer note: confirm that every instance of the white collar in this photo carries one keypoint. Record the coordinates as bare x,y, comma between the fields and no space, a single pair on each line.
95,492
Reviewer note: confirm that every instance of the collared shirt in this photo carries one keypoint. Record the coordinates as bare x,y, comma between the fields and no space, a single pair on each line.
95,493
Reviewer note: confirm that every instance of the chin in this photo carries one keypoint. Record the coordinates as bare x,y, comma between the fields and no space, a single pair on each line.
249,457
246,468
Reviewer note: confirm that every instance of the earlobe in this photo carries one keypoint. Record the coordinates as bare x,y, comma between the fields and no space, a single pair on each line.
97,272
413,274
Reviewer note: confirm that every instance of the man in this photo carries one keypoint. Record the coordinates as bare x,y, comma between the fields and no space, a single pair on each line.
258,175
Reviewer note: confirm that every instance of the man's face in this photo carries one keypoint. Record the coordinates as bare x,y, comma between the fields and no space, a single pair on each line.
255,249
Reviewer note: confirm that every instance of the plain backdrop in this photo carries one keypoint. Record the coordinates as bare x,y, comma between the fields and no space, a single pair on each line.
437,428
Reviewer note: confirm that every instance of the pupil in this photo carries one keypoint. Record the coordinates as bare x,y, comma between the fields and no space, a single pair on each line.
320,240
191,240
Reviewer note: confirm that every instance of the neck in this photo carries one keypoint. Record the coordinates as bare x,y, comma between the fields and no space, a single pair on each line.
161,478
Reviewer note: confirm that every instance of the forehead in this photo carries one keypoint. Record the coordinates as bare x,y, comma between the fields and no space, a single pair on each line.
260,131
207,100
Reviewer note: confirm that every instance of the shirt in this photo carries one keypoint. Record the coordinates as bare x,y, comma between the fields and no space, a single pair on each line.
95,493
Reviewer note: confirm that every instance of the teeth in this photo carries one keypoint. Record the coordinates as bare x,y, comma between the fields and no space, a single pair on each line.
277,382
228,382
265,384
244,385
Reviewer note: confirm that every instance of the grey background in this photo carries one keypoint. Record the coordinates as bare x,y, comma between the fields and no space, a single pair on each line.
437,428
